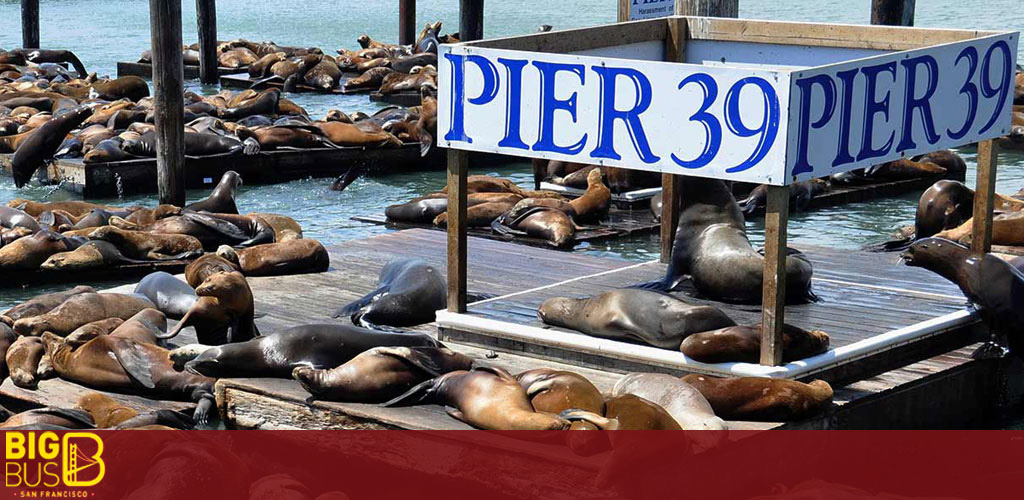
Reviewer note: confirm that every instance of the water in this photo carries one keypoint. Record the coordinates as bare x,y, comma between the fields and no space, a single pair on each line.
103,32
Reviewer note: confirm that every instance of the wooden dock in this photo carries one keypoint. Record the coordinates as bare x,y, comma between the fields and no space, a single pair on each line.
191,72
620,223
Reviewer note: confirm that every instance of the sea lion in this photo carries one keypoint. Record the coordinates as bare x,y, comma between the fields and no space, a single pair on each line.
213,230
525,204
742,344
12,218
621,180
195,145
261,67
554,391
198,270
370,79
75,208
281,224
409,293
147,216
40,146
762,399
987,281
485,397
149,246
222,199
904,168
108,151
126,366
800,196
91,254
272,138
23,357
265,104
171,296
656,207
426,126
224,312
80,309
274,259
479,215
30,252
320,346
1007,229
238,57
686,404
711,247
627,412
594,203
324,76
41,304
8,236
348,134
89,331
106,412
143,327
554,226
64,418
130,87
7,338
380,374
642,316
944,205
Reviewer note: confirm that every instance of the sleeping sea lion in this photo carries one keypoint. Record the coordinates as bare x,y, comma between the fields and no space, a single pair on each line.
273,259
106,412
80,309
30,252
627,412
75,208
742,344
92,330
64,418
91,254
762,399
409,293
149,246
41,304
554,391
554,226
7,338
23,358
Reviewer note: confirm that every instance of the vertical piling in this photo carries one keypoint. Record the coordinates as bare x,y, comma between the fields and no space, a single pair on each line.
206,19
984,198
165,33
30,24
458,166
406,22
471,20
893,12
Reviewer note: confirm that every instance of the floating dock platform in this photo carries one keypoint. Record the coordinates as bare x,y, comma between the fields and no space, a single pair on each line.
191,72
406,99
244,81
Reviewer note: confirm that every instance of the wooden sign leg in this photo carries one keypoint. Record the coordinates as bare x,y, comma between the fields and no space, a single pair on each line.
669,214
458,165
774,287
984,198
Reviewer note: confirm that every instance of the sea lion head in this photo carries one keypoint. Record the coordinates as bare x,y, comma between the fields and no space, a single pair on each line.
556,310
931,253
207,363
594,177
228,253
364,41
82,257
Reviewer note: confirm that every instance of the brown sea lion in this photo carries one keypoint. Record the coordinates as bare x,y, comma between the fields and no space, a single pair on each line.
480,215
1007,229
130,87
147,216
543,223
273,259
224,312
30,252
381,373
23,357
484,397
265,104
621,180
944,205
527,203
92,330
324,76
372,78
426,127
198,270
643,316
8,236
151,246
280,224
7,338
238,57
123,365
41,304
594,203
106,412
742,344
800,196
142,327
90,254
627,412
271,138
261,67
222,199
489,184
686,405
11,143
50,417
554,391
572,175
75,208
80,309
762,399
348,134
41,145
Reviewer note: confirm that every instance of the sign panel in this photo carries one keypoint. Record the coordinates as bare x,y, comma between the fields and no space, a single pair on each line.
650,9
860,113
707,121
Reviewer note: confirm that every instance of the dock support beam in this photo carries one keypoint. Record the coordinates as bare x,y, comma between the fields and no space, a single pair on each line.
206,19
471,20
708,8
984,198
892,12
165,34
458,166
773,289
406,22
30,24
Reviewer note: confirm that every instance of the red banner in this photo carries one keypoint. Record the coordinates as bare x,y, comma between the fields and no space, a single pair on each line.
334,465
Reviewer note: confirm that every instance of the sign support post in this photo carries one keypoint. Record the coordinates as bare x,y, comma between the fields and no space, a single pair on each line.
984,195
458,166
773,302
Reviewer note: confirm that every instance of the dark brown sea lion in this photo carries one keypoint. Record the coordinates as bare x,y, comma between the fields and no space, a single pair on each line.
987,281
742,344
7,338
348,134
322,346
274,259
484,397
80,309
800,196
198,270
261,67
8,236
23,357
479,215
621,180
554,391
686,405
711,247
594,203
92,330
543,223
12,218
91,254
126,366
281,224
370,79
642,316
409,293
106,412
627,413
381,373
222,199
195,145
402,82
150,246
526,204
31,251
904,169
224,312
108,151
11,143
762,399
41,304
405,64
944,205
213,230
40,146
265,104
63,418
324,76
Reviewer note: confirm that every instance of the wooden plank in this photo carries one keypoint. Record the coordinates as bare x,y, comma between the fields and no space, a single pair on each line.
206,19
575,40
774,287
458,167
669,214
16,278
30,24
168,102
709,8
984,198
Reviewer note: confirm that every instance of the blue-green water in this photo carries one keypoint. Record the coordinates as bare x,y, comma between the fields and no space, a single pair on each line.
103,32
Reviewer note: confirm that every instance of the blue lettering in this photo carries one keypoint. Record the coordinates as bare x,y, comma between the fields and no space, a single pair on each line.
806,87
549,104
712,127
970,89
513,103
631,117
872,107
457,129
911,103
843,151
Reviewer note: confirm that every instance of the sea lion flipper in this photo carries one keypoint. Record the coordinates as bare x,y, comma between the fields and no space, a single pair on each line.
456,414
478,296
354,306
415,356
73,414
498,372
135,363
217,225
420,393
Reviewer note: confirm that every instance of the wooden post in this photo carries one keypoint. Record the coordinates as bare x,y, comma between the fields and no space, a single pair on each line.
406,22
30,24
471,20
708,8
773,289
984,198
892,12
165,34
458,166
675,51
206,18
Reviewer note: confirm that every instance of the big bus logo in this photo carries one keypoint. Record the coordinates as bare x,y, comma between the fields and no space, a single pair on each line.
50,460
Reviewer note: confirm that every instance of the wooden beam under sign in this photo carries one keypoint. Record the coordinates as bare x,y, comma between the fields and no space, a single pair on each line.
773,290
675,51
984,197
406,22
458,166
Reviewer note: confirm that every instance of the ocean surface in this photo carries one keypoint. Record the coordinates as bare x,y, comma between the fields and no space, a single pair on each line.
103,32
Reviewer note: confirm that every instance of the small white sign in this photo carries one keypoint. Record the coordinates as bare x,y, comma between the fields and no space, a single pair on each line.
650,9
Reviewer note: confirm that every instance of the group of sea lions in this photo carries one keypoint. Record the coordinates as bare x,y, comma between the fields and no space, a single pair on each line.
95,410
236,54
389,68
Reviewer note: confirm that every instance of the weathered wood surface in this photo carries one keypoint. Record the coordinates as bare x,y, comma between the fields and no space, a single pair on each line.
168,101
190,71
206,21
471,20
30,24
406,22
710,8
893,12
14,279
458,169
773,300
984,199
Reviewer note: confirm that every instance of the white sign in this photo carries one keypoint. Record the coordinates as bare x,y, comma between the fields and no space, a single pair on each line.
752,124
650,9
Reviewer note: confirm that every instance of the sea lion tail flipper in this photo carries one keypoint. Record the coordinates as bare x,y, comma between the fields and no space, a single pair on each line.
353,173
73,414
416,357
261,82
250,146
181,324
426,142
654,286
896,245
217,225
353,307
135,363
419,394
